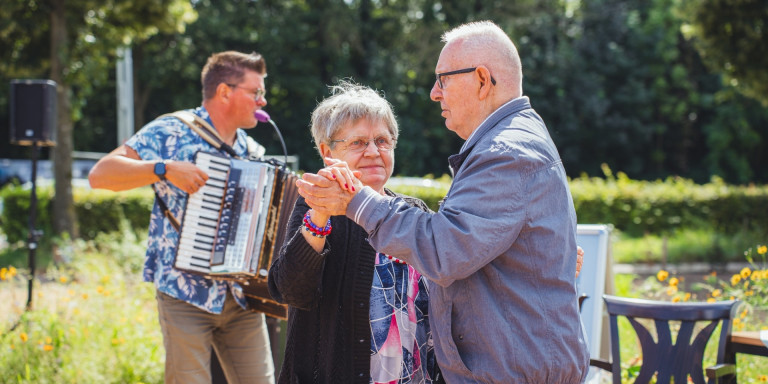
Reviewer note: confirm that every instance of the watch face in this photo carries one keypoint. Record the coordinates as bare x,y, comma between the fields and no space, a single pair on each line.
160,169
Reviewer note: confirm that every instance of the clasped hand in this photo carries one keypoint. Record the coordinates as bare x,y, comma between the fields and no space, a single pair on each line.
329,191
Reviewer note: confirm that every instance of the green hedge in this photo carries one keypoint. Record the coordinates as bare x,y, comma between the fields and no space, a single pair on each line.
97,211
633,207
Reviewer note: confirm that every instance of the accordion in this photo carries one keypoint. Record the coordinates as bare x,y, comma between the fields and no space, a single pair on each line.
234,225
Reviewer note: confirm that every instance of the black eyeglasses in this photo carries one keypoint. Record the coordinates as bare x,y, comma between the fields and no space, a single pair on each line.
457,72
360,144
257,94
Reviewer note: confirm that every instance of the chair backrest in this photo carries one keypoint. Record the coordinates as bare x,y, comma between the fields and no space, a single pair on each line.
662,356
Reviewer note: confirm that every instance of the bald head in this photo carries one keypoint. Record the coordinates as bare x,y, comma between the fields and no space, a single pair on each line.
484,43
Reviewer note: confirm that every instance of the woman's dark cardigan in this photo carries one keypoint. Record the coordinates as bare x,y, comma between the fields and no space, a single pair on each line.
329,336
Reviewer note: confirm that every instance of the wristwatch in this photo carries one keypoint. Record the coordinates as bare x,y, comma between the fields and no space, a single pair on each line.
160,169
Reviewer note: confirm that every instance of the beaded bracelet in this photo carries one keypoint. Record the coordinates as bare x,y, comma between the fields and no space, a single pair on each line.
313,229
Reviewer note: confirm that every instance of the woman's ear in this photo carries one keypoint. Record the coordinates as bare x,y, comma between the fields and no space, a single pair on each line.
325,150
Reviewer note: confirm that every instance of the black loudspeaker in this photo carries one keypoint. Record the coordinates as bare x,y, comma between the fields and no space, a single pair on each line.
33,112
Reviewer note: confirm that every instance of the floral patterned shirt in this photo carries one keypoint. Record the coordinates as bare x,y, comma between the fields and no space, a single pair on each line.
170,139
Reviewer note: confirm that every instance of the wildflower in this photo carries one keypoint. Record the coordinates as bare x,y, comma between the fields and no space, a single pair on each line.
671,290
3,273
71,292
48,340
743,314
662,275
762,250
710,300
85,296
755,275
47,347
735,279
673,282
687,296
764,378
63,279
749,293
11,271
100,289
745,272
676,299
24,337
716,293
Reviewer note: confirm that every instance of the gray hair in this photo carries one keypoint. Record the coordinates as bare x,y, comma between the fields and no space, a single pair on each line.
349,103
485,39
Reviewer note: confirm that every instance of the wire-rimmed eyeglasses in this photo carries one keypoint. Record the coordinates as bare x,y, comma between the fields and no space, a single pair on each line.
257,94
360,144
439,76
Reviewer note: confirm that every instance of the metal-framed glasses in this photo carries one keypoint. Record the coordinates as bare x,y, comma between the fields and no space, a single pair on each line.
360,144
257,94
439,76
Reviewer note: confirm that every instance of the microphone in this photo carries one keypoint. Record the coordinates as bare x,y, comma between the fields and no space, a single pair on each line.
263,117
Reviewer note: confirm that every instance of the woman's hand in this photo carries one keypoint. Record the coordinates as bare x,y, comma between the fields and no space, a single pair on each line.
339,171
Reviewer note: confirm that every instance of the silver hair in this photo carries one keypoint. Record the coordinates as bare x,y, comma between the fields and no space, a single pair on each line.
484,38
349,103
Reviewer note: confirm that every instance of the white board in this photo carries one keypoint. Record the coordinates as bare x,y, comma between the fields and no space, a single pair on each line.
594,239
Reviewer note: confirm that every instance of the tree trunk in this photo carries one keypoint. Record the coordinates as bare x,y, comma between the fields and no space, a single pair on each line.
64,220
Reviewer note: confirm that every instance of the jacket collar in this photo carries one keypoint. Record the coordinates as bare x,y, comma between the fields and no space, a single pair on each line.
514,106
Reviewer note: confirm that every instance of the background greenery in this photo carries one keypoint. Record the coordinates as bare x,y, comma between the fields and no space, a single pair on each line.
651,88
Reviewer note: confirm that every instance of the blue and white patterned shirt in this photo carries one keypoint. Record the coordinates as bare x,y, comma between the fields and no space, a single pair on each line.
170,139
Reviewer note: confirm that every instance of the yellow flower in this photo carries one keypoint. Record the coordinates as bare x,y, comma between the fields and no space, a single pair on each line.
710,300
71,292
673,282
743,314
762,249
47,347
755,275
48,340
24,337
63,279
745,272
764,378
99,289
3,273
735,279
11,271
687,296
671,291
662,275
85,296
676,299
749,293
716,293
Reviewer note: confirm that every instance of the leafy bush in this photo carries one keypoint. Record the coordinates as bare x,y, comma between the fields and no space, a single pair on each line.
98,211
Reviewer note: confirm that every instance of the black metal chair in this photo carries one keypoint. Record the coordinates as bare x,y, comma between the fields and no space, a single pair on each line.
663,357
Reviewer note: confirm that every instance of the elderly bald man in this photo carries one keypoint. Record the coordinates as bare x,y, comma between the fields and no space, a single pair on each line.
502,247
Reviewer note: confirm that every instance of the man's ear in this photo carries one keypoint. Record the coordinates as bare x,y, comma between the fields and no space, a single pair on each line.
485,81
223,92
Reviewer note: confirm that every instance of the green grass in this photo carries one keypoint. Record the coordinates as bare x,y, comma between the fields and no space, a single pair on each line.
684,246
94,321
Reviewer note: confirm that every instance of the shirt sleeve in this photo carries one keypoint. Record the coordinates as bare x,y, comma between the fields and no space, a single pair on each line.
480,218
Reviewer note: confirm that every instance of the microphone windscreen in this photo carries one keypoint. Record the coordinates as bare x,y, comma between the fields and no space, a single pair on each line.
261,116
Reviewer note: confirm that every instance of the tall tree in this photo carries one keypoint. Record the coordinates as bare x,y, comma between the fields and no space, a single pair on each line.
731,35
82,37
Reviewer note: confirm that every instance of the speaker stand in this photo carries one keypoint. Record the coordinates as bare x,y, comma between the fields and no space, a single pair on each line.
34,234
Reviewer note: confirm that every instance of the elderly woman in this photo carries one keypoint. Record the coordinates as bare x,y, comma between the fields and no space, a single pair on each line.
356,315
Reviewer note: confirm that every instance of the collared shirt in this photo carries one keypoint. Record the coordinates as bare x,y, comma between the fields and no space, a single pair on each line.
170,139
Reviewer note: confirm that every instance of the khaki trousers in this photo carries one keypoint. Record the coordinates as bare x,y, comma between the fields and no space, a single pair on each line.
239,337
